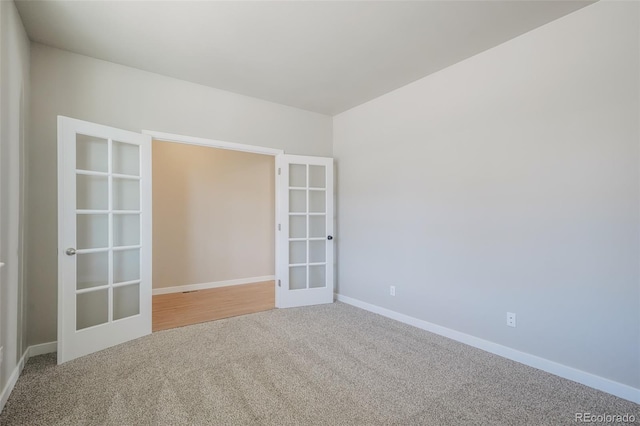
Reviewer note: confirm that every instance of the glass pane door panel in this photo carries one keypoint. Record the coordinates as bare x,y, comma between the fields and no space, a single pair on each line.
298,175
317,201
317,251
297,226
126,158
317,226
126,265
298,252
91,153
126,301
126,194
92,269
297,201
92,308
317,276
92,231
92,192
126,230
317,177
297,277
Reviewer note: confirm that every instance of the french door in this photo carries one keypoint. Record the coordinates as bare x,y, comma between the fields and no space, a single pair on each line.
305,231
104,237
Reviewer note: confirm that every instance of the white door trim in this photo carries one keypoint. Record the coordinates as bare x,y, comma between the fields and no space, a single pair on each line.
212,143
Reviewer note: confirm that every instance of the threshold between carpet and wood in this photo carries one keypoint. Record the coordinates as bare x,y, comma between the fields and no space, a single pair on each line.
329,364
193,307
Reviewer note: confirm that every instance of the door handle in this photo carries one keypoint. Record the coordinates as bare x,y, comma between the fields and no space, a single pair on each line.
70,251
330,237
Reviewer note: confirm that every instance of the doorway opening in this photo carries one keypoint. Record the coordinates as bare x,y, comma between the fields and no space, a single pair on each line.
213,230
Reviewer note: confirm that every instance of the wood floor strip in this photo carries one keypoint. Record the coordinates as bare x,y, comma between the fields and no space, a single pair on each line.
180,309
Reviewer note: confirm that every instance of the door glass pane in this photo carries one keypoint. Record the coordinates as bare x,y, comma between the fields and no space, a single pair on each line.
317,201
92,308
92,192
297,226
298,175
91,153
126,301
317,251
297,201
92,269
126,158
317,226
317,177
317,276
126,194
297,277
126,230
92,231
126,265
297,252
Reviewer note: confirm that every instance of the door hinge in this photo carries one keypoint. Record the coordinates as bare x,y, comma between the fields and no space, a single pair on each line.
279,283
279,227
279,171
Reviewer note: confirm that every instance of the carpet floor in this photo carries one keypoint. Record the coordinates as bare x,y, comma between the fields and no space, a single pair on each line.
329,365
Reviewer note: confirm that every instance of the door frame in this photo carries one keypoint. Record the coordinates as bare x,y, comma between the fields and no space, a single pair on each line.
233,146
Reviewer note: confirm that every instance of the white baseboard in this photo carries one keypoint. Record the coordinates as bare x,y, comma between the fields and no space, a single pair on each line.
4,396
31,351
216,284
41,349
597,382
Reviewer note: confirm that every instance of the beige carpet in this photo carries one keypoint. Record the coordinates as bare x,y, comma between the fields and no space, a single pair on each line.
329,365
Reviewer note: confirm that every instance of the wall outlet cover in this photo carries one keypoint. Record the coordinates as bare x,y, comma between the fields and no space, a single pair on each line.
511,319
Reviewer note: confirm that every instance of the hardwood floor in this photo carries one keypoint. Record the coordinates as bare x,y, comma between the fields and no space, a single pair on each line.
180,309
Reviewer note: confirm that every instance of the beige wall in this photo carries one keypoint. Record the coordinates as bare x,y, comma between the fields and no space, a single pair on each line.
213,214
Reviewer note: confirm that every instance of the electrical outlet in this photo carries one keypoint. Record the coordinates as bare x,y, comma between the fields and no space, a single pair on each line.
392,290
511,319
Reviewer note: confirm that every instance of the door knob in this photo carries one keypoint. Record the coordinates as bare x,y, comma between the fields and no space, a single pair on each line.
70,251
330,237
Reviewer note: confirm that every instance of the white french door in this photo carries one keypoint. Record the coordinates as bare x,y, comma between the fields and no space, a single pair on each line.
305,231
104,237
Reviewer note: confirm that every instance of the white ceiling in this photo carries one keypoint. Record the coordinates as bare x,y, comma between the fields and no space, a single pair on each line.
324,56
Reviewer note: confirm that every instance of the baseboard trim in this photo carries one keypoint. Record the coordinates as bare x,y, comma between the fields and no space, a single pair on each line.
41,349
4,396
31,351
588,379
216,284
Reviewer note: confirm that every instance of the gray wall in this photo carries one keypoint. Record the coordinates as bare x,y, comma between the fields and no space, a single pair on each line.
14,106
507,182
88,89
